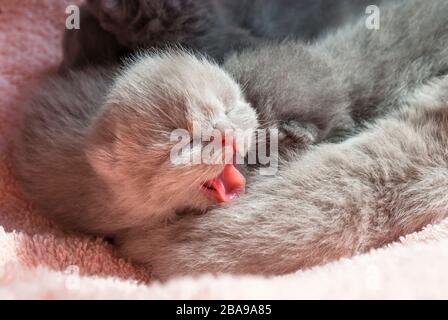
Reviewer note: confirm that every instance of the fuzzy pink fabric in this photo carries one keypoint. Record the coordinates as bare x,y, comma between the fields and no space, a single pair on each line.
40,261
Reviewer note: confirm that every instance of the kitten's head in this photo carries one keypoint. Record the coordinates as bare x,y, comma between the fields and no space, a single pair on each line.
159,102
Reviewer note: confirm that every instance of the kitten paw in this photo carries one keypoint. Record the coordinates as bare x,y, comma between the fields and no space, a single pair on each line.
295,135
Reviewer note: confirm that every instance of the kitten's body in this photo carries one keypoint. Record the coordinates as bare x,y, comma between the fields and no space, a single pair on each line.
336,201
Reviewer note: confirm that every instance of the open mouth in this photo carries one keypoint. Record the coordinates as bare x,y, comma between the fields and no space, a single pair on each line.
229,185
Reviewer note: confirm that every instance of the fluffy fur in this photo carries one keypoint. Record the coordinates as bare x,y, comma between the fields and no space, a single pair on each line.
338,200
94,149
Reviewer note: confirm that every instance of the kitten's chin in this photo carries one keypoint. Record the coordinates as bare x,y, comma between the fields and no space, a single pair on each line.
226,187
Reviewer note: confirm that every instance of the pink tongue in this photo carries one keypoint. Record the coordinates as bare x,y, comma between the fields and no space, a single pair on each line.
227,186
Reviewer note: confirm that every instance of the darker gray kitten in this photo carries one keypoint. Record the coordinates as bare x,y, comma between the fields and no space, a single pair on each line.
111,29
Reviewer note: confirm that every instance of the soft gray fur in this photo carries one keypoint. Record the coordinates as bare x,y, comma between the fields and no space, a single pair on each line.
338,200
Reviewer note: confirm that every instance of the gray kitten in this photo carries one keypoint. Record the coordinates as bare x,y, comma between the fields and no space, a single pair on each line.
94,152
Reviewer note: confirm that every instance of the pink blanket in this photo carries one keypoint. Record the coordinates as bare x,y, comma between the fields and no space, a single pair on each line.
38,260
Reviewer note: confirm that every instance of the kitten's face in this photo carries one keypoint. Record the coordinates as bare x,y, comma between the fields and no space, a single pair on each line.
132,143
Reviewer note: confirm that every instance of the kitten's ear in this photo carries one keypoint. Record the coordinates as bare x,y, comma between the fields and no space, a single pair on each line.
101,145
